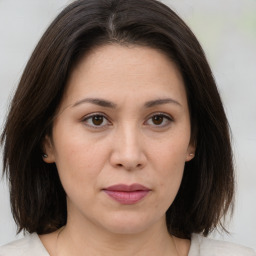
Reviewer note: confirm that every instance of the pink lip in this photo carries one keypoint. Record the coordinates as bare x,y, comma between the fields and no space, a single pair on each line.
127,194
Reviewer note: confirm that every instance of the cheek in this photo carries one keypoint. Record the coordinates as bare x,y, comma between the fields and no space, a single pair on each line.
171,176
78,159
168,185
169,165
170,156
79,168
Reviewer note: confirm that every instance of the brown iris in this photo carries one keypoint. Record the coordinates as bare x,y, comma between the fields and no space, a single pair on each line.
157,120
97,120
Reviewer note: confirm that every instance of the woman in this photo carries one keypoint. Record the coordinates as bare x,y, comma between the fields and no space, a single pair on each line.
116,142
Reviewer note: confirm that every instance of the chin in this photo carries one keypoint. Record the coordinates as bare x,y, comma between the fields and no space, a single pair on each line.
126,225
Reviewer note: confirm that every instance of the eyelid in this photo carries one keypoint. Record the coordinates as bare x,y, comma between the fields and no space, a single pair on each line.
163,114
166,116
88,116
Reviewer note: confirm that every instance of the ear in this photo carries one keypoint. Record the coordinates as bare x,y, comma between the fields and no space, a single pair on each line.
191,152
48,150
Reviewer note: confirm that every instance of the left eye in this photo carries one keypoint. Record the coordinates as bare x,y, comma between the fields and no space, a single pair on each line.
96,121
160,120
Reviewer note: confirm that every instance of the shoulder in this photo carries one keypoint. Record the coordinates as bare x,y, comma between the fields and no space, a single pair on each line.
202,246
30,245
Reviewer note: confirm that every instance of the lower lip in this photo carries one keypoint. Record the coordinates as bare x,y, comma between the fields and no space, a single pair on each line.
127,197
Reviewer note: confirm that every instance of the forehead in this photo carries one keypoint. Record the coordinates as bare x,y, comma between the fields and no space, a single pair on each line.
115,69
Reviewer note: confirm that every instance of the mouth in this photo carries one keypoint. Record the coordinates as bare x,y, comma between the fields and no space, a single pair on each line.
127,194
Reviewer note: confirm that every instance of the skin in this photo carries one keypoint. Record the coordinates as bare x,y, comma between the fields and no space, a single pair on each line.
135,139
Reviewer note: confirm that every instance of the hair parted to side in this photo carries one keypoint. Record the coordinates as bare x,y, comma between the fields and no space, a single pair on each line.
37,198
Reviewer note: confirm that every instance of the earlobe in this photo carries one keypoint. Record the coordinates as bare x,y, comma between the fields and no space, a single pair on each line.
189,157
190,152
48,151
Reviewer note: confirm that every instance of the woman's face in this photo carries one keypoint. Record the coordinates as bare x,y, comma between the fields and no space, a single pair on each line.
121,138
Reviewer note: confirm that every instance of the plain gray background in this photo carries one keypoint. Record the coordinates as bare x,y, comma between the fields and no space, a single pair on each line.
227,32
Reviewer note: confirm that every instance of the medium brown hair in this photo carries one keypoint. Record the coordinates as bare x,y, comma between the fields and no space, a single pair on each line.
38,200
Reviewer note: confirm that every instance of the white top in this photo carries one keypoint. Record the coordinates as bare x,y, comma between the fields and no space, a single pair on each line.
31,245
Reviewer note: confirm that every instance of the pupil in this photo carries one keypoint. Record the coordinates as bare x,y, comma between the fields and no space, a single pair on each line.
97,120
157,120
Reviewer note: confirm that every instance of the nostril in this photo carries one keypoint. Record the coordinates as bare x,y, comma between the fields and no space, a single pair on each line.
130,159
129,166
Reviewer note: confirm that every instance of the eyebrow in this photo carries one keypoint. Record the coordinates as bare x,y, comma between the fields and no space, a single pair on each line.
109,104
96,101
157,102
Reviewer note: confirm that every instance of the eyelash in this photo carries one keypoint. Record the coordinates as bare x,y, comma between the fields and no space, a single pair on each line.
86,118
165,117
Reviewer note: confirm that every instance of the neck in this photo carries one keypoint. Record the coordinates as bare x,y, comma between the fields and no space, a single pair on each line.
75,239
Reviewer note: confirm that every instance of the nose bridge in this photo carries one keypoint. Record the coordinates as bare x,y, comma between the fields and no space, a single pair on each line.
128,149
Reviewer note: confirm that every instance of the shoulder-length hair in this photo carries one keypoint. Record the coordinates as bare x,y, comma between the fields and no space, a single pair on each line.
37,197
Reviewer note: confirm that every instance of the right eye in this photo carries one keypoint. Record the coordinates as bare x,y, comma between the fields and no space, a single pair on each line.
96,121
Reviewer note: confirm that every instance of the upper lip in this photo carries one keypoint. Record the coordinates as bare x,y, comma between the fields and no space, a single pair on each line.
127,188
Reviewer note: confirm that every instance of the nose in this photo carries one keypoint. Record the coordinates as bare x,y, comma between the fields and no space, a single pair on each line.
128,150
